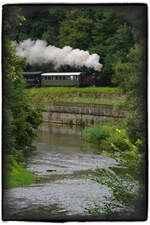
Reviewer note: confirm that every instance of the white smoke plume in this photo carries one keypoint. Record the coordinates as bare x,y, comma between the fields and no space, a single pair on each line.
38,52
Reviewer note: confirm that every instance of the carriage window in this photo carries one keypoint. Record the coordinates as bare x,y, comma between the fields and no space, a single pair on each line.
71,77
60,77
63,77
75,77
49,77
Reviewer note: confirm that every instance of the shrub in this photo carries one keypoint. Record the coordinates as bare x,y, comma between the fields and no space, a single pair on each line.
96,133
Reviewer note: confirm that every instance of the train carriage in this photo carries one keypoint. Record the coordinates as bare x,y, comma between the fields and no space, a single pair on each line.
32,79
61,79
68,79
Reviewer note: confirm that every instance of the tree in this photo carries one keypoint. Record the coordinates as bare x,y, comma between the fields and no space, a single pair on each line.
113,39
131,76
43,24
75,30
9,74
100,31
19,118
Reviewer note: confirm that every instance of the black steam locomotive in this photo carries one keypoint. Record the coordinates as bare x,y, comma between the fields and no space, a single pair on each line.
68,79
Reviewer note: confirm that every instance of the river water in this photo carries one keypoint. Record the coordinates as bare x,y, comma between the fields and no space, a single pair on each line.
60,193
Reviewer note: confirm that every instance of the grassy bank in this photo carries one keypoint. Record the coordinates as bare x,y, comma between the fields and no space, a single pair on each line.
15,175
96,95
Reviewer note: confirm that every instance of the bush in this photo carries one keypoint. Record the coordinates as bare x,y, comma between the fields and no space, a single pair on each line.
96,133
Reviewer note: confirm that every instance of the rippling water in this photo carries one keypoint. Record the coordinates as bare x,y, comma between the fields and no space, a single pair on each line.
60,193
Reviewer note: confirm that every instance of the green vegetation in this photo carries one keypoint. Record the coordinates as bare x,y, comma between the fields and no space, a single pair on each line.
96,95
111,41
19,117
127,145
104,134
125,190
133,83
129,142
96,133
15,174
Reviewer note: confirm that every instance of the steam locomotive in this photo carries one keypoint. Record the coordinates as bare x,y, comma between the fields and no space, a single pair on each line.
68,79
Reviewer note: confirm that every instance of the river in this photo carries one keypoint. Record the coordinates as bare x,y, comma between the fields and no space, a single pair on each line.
60,193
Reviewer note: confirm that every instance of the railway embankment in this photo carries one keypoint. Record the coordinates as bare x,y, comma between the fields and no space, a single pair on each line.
79,105
81,113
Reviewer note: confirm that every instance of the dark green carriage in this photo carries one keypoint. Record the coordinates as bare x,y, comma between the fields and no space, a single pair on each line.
61,79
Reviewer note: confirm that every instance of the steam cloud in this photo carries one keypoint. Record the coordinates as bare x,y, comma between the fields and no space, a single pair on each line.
37,52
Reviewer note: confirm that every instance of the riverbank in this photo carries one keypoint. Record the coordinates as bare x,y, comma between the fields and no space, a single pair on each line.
15,175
